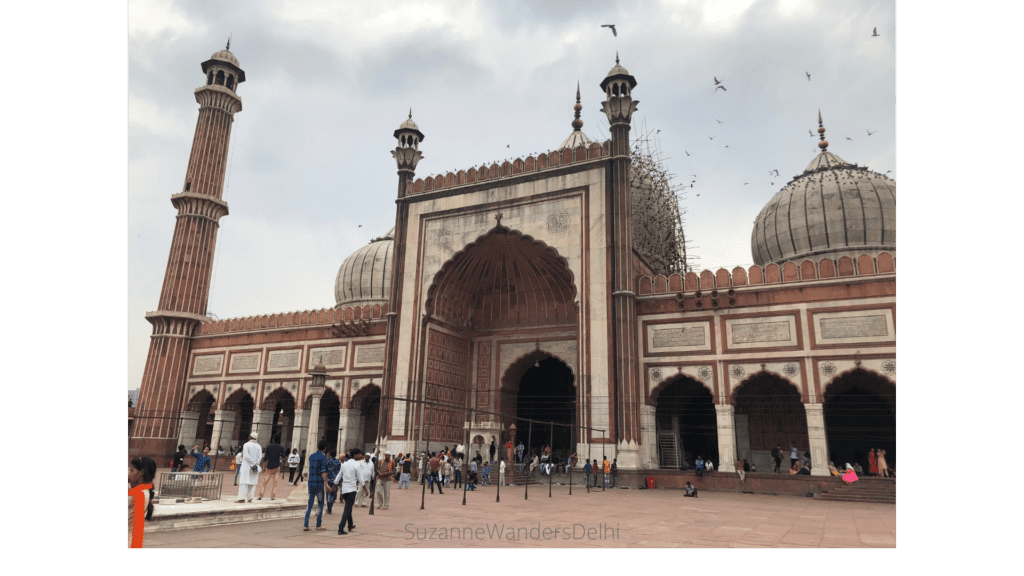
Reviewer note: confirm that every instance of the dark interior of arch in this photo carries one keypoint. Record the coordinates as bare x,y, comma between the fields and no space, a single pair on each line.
504,280
202,404
369,409
775,414
241,403
283,405
329,407
860,414
545,392
685,407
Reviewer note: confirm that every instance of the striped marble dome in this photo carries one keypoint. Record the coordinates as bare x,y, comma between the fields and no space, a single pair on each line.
833,209
365,276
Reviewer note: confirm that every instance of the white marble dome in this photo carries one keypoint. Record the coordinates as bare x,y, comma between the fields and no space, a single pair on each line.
225,56
833,209
365,276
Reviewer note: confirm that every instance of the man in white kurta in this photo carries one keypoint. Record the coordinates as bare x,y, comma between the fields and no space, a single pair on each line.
365,475
247,478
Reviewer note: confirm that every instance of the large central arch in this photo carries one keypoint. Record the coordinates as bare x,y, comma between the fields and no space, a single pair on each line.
541,387
503,279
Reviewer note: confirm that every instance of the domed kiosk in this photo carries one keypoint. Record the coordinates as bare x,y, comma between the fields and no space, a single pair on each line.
365,276
833,209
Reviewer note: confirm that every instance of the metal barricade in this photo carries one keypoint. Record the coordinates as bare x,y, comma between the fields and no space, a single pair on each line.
190,485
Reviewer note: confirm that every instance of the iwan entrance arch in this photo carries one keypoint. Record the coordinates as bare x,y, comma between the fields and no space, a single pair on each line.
502,298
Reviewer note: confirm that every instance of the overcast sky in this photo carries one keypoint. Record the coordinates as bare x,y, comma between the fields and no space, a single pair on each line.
328,83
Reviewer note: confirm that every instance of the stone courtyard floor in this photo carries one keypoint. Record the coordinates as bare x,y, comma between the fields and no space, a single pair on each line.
610,519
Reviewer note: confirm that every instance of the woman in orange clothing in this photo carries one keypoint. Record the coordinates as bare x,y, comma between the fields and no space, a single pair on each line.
140,498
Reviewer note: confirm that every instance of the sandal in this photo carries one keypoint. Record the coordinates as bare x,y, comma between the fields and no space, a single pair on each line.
321,528
305,528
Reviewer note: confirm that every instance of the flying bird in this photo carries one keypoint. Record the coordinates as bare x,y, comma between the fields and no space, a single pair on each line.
848,138
508,145
692,187
717,81
809,133
874,32
719,121
658,132
726,145
711,137
808,76
887,171
776,172
720,87
745,183
612,26
771,183
687,153
870,132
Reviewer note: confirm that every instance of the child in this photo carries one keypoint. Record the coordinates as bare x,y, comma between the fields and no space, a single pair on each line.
690,491
487,474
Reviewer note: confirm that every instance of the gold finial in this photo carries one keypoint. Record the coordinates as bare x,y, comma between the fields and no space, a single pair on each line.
823,144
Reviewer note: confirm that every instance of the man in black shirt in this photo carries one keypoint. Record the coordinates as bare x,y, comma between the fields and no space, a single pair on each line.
272,456
179,459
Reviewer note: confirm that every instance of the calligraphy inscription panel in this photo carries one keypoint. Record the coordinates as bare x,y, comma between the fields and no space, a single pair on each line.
208,364
283,360
856,327
330,357
761,332
246,363
370,355
673,337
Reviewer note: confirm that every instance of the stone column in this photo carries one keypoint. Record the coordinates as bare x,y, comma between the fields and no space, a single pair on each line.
223,428
348,421
299,431
313,433
262,423
816,438
189,428
726,436
742,435
648,437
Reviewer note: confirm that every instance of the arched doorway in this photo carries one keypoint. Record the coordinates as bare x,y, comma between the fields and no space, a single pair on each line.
282,403
860,414
541,387
775,416
202,404
367,401
330,405
241,403
686,422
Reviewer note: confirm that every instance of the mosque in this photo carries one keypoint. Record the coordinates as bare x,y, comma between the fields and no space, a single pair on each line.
550,288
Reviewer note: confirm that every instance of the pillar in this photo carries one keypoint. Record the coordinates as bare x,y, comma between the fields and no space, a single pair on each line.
262,424
189,429
286,431
648,437
742,435
726,435
816,438
348,421
313,433
223,429
299,431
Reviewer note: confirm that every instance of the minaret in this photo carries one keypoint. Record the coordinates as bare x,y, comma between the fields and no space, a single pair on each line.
186,287
407,155
619,107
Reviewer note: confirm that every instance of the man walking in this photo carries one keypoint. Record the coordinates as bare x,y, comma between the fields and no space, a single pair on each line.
777,456
179,459
501,473
615,470
493,449
406,470
238,465
435,471
458,470
249,475
363,480
607,471
587,470
293,464
423,470
347,481
519,451
317,481
332,469
385,473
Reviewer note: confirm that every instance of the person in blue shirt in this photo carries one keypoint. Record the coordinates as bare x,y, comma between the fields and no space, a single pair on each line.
316,482
202,460
487,474
699,466
588,469
333,467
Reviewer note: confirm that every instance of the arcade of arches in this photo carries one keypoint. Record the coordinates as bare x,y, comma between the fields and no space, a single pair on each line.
859,413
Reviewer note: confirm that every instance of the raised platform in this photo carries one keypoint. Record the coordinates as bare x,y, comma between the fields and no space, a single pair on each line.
826,487
185,515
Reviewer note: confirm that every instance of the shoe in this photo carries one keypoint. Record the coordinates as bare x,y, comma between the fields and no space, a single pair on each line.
351,528
260,498
342,533
239,501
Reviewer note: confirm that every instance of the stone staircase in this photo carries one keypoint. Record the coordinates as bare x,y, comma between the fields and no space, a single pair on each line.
879,490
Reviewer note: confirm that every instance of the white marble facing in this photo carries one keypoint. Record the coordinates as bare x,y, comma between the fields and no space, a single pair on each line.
861,326
208,364
763,332
681,337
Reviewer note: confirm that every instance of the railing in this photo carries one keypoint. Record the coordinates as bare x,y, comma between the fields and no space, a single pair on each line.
205,485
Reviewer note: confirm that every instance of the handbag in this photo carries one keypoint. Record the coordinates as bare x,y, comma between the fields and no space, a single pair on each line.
232,467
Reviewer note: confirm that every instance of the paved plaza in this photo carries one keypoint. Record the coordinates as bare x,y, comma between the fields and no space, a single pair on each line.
610,519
